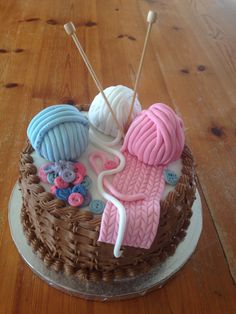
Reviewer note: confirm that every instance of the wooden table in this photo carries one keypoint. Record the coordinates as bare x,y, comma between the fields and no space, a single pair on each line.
190,65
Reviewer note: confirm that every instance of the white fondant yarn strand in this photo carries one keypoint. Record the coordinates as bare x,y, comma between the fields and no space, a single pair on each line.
102,143
122,214
121,209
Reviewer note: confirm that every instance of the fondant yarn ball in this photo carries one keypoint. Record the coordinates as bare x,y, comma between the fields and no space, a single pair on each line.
120,98
156,136
59,132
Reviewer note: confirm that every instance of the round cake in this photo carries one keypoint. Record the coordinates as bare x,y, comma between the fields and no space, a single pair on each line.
100,208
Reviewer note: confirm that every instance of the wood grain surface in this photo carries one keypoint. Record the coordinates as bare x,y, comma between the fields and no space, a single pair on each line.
190,65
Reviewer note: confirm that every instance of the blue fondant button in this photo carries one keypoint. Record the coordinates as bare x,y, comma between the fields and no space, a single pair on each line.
170,177
97,206
79,189
63,194
68,175
51,177
87,200
86,183
49,168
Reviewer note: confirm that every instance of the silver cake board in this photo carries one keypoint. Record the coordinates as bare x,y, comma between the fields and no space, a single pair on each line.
104,291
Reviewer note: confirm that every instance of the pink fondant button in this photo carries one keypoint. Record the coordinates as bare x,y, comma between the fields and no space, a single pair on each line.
110,164
75,199
79,168
60,183
79,178
42,174
53,189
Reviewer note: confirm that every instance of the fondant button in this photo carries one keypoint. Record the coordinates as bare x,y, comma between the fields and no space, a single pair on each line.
42,175
97,206
110,164
68,175
79,189
78,178
69,165
75,199
49,167
59,167
63,194
87,200
86,183
62,165
60,183
79,167
53,189
170,177
51,177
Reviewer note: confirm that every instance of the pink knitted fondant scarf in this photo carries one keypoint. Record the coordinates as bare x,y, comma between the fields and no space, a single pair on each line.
154,139
143,215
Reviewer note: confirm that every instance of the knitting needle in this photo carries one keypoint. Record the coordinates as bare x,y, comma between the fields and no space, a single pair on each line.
70,30
151,18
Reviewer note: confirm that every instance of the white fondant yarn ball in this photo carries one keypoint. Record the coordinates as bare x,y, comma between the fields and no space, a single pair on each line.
120,98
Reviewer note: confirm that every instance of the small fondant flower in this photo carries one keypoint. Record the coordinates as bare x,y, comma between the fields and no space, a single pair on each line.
61,165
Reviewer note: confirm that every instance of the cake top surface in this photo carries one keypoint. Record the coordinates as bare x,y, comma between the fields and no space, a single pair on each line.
154,139
39,161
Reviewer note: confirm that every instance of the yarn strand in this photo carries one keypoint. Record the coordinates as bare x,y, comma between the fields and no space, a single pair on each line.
121,209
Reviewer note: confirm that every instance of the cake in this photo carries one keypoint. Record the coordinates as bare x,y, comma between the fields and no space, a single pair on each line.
101,205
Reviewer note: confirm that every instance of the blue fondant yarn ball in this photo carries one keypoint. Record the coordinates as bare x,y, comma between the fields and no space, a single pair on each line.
59,132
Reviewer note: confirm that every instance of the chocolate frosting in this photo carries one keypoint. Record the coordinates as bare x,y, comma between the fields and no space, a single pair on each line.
65,238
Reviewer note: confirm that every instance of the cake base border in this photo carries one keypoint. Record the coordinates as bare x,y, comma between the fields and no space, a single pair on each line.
105,291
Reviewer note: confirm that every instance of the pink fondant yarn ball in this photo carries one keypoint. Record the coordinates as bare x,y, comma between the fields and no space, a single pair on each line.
156,136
